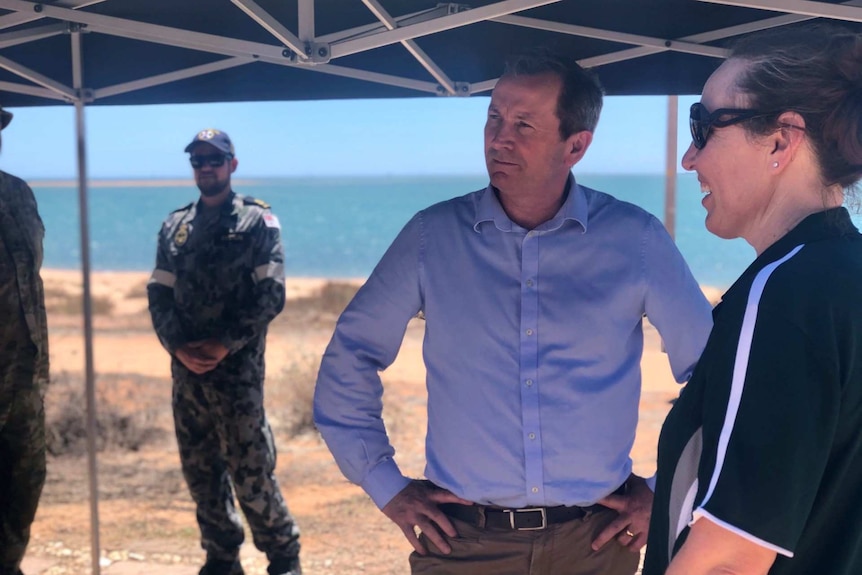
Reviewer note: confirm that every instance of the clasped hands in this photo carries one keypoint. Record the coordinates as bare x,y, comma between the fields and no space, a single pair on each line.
201,356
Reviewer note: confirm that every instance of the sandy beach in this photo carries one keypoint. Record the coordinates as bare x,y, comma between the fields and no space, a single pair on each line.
147,519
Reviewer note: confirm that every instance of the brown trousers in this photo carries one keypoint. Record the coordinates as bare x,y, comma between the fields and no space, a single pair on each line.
562,549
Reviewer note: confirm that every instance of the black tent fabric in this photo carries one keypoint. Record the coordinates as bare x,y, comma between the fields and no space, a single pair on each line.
181,51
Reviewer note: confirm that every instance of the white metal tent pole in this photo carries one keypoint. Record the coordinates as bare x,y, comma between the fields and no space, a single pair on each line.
670,166
446,84
78,82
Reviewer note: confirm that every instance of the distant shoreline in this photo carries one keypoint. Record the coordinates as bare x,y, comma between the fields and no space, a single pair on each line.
248,181
119,183
262,180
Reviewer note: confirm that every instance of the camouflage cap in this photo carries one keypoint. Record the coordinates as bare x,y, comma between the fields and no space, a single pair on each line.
215,138
5,118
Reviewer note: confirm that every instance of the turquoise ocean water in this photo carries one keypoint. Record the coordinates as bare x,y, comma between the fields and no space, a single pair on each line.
339,227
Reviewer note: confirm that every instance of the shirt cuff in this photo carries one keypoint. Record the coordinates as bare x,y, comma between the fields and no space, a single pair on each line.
700,512
384,482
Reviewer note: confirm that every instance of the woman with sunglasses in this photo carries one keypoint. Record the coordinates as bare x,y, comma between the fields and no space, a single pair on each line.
760,459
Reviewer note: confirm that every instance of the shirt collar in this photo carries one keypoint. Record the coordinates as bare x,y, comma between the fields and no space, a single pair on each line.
831,223
574,208
823,225
227,207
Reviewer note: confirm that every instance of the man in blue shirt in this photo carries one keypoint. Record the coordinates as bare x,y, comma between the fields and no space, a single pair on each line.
534,291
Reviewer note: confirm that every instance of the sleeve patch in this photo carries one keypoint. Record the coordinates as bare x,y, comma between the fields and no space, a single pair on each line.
271,221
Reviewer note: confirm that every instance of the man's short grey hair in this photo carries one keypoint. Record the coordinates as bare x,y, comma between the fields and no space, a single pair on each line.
580,101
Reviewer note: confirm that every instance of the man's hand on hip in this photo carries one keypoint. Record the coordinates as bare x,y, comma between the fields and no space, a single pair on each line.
417,506
634,508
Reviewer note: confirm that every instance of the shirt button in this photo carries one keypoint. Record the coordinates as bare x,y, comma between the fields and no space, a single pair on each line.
532,436
530,283
535,490
529,332
529,383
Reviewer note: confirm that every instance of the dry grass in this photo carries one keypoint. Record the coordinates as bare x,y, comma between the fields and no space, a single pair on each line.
61,302
120,425
145,507
55,292
322,307
127,423
139,290
291,394
334,297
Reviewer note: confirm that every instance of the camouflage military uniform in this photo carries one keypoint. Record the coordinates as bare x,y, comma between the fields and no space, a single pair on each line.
23,368
220,274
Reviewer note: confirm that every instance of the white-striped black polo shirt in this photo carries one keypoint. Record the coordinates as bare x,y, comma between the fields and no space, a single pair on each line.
766,438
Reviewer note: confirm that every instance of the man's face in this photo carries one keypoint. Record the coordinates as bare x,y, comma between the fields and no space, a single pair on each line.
523,148
212,180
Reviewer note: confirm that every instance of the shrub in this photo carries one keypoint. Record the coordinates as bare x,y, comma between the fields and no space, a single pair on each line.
291,394
139,290
66,423
73,304
334,297
324,306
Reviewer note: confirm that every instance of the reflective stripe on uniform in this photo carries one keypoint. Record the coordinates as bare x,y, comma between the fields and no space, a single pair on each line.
271,270
163,278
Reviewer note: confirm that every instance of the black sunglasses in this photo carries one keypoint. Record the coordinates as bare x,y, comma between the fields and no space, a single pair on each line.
212,160
701,120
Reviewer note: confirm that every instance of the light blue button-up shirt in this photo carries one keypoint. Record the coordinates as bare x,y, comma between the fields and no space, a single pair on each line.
533,341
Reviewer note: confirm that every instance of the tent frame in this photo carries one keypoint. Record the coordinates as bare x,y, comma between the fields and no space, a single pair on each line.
306,50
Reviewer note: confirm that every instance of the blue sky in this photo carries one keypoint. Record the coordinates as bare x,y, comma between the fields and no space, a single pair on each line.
321,138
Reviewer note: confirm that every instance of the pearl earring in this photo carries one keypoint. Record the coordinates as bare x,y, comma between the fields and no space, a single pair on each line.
774,164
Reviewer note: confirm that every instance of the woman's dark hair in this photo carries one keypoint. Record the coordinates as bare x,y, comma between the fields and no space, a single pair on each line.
580,101
816,71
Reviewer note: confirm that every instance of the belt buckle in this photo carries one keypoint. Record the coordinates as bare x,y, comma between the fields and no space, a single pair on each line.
540,510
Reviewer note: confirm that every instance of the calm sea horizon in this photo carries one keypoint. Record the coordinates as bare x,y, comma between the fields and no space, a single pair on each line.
338,227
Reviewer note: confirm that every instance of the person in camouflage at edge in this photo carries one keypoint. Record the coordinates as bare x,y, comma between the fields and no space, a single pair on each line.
23,366
218,282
